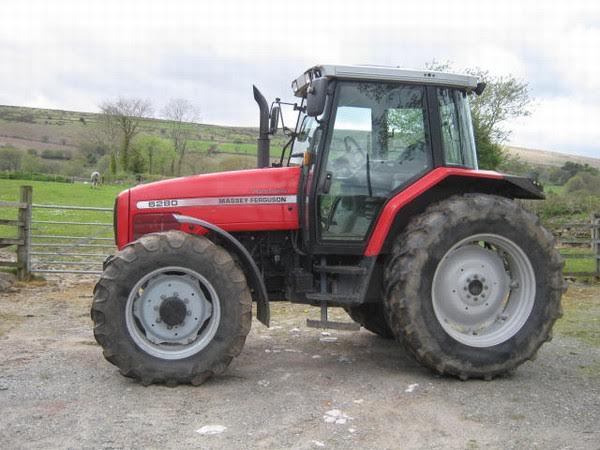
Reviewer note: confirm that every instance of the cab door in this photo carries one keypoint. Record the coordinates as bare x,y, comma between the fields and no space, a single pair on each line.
378,142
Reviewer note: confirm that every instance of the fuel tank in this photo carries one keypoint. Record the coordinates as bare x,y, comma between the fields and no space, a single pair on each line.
244,200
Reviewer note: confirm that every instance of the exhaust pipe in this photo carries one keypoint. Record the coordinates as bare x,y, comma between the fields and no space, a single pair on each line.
263,149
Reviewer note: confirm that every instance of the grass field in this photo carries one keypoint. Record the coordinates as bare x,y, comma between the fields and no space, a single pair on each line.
578,264
77,194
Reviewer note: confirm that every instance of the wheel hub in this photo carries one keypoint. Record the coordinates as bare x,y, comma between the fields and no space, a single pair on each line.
475,287
172,311
476,290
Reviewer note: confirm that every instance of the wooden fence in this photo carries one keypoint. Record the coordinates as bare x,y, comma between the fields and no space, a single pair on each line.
63,249
23,238
580,235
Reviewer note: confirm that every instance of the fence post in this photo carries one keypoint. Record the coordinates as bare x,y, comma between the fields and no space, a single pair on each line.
596,241
24,250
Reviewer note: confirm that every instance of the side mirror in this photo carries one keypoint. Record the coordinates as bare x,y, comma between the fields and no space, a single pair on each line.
480,88
274,119
316,96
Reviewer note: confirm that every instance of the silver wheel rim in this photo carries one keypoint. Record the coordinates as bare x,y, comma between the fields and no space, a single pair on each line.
172,313
483,290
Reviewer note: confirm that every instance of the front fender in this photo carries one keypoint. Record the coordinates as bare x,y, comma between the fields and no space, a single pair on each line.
255,280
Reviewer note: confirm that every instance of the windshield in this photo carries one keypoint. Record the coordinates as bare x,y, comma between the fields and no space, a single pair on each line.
306,140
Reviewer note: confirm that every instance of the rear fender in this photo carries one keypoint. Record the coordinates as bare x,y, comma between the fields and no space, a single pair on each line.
255,280
437,185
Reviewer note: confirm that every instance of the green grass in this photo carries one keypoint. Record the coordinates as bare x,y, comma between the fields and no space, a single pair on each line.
554,188
578,264
204,146
581,318
61,194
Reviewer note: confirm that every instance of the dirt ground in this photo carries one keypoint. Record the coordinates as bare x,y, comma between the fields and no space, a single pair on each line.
290,388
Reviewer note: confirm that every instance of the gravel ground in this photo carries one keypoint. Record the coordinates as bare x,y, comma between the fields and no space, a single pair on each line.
290,388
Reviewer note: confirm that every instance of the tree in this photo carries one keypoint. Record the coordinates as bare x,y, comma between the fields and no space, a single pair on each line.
180,112
10,158
157,152
504,98
123,118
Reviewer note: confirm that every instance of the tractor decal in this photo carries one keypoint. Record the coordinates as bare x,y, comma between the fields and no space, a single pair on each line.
218,201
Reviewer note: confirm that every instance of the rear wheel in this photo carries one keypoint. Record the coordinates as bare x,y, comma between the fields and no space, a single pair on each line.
371,317
473,286
171,308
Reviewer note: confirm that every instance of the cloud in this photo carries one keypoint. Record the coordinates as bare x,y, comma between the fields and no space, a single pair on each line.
71,54
561,124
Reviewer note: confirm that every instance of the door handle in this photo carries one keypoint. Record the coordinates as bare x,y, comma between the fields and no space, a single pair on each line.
327,183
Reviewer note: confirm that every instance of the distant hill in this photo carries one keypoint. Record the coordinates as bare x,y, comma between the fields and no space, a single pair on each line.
550,159
41,129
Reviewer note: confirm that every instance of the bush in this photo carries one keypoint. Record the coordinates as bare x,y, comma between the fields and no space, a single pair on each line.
35,177
584,183
10,158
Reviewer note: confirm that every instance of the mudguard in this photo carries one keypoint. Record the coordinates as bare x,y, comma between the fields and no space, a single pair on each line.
436,185
249,267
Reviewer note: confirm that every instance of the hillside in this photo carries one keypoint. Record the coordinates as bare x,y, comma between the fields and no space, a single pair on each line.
41,129
550,159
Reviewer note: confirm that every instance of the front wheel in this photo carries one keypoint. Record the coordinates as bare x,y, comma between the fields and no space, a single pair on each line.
171,308
473,286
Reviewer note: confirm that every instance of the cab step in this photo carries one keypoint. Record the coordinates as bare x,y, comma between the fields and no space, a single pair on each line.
343,270
325,323
337,299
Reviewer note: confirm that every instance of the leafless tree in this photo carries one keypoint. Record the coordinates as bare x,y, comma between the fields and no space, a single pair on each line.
182,114
122,118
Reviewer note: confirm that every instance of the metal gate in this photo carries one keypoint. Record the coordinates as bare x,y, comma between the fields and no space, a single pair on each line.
70,244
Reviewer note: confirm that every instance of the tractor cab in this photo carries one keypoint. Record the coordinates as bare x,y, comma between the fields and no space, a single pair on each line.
364,134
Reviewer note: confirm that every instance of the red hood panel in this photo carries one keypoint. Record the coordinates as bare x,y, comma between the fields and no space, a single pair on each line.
245,200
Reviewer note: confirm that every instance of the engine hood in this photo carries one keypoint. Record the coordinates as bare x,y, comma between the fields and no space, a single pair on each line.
244,200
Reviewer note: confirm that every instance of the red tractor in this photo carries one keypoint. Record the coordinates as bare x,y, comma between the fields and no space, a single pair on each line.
376,206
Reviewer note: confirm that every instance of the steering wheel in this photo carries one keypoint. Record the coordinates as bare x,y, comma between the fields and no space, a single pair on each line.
346,165
349,141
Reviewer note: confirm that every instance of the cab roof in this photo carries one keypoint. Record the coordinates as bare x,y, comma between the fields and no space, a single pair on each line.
382,73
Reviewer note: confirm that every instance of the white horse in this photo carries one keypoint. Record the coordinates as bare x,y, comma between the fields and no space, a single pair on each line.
95,179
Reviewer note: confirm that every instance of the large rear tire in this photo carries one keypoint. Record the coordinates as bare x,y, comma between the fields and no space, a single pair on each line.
371,316
171,308
473,286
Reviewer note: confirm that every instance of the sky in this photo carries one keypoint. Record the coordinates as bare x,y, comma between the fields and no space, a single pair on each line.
75,54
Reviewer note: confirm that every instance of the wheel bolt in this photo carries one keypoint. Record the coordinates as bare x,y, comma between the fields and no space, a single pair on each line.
189,313
468,280
162,297
475,277
482,295
186,300
468,296
465,288
175,294
158,320
169,327
483,279
156,308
